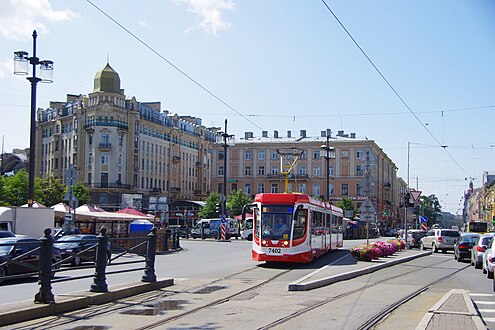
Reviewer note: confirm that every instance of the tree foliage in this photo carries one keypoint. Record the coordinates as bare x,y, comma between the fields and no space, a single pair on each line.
15,189
82,193
346,204
208,211
49,191
431,208
236,202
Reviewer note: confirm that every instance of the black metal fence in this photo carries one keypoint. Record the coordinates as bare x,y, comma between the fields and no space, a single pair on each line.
42,259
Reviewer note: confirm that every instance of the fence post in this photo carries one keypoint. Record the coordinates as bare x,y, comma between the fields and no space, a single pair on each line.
45,295
149,271
177,241
99,280
166,237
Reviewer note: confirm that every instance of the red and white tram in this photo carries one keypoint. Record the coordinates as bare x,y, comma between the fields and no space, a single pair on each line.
294,227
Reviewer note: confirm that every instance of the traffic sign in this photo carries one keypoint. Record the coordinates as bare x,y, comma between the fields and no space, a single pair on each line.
367,207
415,195
423,226
423,219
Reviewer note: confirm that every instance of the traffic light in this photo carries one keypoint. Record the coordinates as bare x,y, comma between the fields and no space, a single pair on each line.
218,208
407,200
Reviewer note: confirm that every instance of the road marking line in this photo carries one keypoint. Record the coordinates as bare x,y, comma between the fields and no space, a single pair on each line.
487,310
482,294
484,302
319,270
489,319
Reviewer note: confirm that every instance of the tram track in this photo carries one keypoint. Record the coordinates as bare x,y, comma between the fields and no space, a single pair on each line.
378,317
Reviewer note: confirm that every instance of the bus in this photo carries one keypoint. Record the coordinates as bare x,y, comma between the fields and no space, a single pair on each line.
477,227
293,227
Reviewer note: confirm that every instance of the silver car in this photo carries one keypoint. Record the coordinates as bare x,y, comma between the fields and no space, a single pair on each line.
439,239
478,250
489,259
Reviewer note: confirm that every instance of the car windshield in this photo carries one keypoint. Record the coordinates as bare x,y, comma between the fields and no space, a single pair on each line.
451,233
5,249
418,234
61,244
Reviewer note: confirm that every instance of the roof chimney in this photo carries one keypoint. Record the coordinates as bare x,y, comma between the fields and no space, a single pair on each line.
248,135
264,134
303,133
289,134
323,134
275,134
340,133
353,135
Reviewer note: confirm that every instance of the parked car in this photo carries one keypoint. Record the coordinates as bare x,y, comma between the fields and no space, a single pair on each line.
74,245
464,244
439,239
479,249
489,259
12,247
414,237
6,233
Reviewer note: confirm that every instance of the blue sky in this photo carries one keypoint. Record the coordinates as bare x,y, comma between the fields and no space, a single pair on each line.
282,65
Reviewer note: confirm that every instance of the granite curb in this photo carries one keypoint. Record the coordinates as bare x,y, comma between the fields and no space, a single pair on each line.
27,310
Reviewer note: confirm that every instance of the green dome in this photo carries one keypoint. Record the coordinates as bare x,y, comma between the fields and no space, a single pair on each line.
107,80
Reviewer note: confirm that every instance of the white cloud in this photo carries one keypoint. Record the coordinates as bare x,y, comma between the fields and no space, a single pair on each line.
18,18
144,24
210,13
6,68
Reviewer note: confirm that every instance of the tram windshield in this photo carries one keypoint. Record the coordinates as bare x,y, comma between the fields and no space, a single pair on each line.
276,222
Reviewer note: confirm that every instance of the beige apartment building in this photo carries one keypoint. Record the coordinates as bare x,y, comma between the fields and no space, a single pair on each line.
254,166
122,149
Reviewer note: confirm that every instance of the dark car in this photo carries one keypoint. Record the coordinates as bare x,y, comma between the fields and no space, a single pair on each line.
77,248
464,244
6,233
414,237
13,247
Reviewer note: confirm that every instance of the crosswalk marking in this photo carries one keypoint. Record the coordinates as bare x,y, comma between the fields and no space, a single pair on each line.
489,319
481,294
486,310
484,302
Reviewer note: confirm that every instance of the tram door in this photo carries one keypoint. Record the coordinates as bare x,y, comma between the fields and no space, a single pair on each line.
328,232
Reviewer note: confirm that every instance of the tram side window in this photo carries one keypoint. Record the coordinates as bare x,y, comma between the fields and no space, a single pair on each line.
317,223
300,223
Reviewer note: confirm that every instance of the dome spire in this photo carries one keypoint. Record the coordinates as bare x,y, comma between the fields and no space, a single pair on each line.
107,80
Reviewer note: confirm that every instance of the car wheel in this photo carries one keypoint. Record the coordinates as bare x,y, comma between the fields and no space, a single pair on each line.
76,261
434,248
484,270
459,259
250,237
444,251
489,274
477,265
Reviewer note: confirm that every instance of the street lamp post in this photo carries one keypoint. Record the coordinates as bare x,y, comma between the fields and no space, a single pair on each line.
225,146
330,154
21,65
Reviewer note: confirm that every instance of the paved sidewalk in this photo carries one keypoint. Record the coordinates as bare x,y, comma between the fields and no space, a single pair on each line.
454,311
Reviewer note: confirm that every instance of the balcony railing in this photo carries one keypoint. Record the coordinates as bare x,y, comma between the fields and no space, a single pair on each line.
176,158
109,185
105,146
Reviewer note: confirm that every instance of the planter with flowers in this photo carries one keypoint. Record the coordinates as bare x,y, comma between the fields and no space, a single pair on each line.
375,250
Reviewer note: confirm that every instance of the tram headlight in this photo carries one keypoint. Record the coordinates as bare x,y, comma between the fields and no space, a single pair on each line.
263,242
285,243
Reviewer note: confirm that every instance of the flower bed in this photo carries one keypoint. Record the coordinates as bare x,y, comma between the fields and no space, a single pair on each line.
379,249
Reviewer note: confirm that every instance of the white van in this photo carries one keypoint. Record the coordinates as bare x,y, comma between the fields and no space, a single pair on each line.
247,229
212,226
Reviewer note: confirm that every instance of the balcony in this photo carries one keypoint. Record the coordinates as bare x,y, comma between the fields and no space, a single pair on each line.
109,185
198,164
176,159
387,185
105,146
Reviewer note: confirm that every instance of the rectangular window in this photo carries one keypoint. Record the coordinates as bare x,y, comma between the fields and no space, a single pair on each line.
303,155
274,188
247,154
316,154
359,170
261,154
261,188
261,171
316,189
247,188
220,154
302,188
302,170
274,170
104,159
247,171
345,189
274,155
220,171
316,171
331,170
360,154
359,190
345,153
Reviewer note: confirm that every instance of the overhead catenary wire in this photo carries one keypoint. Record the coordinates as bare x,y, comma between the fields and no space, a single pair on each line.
172,64
392,88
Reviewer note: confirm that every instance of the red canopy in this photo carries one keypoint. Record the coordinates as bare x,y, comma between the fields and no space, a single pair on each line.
130,210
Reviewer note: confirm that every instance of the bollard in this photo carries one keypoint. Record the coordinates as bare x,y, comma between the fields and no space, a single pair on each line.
99,280
45,295
167,236
202,232
149,271
178,240
187,231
